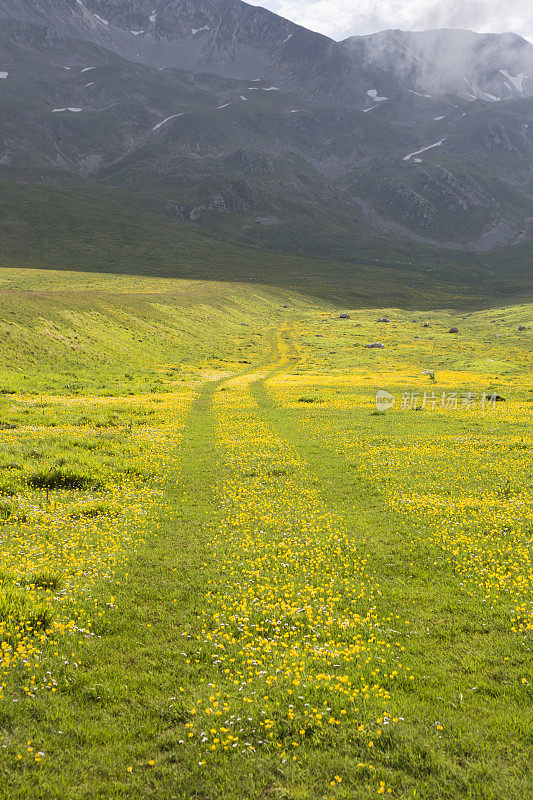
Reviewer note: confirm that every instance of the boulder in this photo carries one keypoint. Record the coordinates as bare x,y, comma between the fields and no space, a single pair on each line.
454,330
375,345
344,316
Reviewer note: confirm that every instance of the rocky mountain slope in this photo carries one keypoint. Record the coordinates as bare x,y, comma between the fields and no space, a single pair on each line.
227,37
228,117
473,66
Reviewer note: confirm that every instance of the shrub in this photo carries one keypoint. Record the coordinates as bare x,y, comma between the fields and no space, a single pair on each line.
61,478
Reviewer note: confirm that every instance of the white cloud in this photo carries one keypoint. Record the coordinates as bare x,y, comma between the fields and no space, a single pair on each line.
342,18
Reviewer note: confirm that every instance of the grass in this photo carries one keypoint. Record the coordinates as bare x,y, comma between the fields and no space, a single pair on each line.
52,221
224,575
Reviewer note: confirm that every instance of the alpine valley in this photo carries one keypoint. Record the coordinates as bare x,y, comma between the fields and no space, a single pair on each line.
160,135
266,409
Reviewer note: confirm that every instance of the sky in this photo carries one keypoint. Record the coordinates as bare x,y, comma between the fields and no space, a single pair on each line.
342,18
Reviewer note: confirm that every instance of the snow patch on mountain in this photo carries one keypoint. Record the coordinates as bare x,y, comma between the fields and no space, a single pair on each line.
424,150
516,80
373,93
476,93
164,122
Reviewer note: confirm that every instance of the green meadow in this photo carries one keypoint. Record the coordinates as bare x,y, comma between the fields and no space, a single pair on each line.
225,573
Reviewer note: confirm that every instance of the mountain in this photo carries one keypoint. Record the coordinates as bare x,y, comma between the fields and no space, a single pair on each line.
226,37
473,66
223,118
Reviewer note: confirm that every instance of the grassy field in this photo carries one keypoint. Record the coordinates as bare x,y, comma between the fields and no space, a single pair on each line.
226,574
72,224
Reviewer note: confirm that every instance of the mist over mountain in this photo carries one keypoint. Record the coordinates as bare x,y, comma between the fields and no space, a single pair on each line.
470,65
228,118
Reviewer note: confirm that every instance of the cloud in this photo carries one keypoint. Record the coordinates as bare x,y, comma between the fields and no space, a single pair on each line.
342,18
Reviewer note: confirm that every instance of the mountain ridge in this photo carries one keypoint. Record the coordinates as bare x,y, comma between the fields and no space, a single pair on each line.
454,61
328,150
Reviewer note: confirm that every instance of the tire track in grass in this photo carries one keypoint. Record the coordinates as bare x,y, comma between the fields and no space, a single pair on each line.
290,621
115,714
471,693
